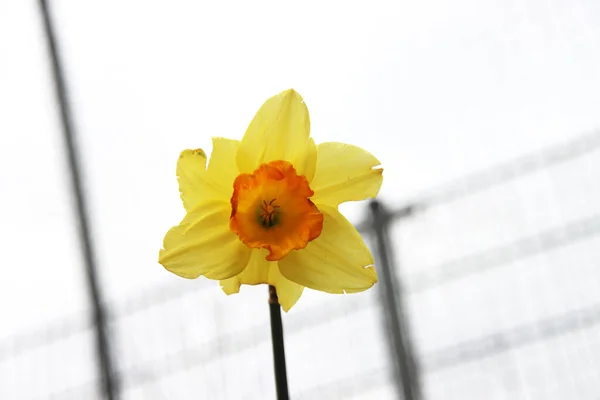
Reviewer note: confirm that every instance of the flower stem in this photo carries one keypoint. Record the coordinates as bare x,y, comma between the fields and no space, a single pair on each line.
278,347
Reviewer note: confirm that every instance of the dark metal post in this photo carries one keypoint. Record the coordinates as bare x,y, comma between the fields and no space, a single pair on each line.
405,367
109,383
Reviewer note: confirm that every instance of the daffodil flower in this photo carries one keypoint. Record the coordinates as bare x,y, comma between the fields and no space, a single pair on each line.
265,209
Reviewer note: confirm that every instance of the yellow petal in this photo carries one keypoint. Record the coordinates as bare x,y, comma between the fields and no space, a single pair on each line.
288,292
338,261
260,271
279,131
345,173
310,161
197,183
203,244
191,174
257,270
222,167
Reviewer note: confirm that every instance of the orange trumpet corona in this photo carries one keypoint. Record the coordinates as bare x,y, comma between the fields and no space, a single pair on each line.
271,209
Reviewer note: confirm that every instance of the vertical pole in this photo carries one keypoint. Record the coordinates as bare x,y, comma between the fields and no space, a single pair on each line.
281,385
405,367
109,385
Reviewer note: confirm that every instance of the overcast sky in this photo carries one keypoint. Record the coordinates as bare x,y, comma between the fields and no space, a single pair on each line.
434,89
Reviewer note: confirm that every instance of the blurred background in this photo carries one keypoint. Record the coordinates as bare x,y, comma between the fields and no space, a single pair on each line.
484,114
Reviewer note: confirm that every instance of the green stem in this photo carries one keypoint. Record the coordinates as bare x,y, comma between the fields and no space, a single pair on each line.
278,346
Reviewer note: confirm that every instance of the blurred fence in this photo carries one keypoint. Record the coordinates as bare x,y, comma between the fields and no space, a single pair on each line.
500,279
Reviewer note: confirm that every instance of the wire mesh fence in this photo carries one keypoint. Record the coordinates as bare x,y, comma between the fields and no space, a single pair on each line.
500,280
503,281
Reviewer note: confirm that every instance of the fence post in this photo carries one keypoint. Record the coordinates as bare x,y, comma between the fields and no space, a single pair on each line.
403,361
106,369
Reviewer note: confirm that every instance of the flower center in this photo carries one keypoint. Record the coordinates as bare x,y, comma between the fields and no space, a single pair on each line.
271,209
268,216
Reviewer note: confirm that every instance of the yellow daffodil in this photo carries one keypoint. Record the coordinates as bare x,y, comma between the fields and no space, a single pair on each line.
265,209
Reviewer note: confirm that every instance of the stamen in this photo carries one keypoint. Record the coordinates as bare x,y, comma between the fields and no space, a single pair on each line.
268,215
